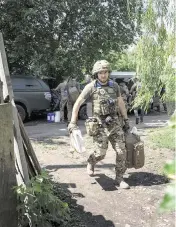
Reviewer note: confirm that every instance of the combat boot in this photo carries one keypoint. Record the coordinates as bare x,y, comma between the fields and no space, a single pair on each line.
122,184
90,169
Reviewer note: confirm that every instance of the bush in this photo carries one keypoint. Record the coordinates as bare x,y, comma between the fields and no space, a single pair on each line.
38,204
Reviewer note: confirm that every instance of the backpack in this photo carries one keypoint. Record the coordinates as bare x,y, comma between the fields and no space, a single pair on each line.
135,151
72,91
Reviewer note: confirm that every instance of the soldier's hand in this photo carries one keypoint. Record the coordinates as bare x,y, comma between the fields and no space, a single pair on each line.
72,126
126,126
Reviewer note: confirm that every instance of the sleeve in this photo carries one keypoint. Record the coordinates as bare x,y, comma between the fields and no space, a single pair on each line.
58,88
117,89
87,91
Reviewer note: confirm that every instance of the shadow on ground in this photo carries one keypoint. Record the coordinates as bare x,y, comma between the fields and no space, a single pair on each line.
54,140
79,217
145,179
135,179
77,166
107,183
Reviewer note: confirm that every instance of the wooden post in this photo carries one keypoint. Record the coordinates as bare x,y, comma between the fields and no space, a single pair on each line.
7,90
29,147
8,199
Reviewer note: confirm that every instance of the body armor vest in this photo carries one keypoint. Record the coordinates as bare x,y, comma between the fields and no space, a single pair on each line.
104,99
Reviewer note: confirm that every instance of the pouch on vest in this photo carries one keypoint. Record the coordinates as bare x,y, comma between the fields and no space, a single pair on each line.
92,126
135,151
107,107
104,107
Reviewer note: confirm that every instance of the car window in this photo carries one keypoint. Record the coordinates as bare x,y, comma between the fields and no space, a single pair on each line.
26,84
44,85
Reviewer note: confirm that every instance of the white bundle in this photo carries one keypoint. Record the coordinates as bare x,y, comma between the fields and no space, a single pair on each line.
76,141
134,130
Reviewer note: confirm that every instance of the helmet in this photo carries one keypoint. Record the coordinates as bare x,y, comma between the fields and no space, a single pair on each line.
100,65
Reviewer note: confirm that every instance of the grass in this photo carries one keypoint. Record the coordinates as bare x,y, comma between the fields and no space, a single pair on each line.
163,138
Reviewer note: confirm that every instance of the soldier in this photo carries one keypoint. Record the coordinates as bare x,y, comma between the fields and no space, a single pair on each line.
124,93
65,89
133,91
104,126
62,90
73,88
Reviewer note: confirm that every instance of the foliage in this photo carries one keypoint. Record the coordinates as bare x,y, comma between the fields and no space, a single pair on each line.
163,138
39,206
172,121
59,38
122,61
168,202
155,51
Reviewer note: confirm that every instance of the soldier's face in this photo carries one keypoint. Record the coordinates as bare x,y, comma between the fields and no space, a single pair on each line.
103,76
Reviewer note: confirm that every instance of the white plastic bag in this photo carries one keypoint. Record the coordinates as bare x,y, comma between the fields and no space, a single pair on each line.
76,141
134,130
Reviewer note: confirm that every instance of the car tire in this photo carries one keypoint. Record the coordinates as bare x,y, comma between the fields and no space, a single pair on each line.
22,112
83,113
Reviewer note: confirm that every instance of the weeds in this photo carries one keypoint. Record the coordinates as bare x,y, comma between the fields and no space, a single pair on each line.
163,138
38,204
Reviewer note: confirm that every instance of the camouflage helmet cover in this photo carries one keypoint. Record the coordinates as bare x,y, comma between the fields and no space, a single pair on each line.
100,65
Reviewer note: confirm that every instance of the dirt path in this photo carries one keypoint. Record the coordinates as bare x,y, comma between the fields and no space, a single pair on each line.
99,201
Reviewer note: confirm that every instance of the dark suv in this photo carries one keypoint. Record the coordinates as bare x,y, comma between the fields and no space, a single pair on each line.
31,95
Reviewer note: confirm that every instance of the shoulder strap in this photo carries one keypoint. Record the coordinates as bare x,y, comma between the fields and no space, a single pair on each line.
111,83
98,85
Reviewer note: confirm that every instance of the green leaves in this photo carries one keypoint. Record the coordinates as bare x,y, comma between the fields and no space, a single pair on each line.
169,168
122,61
168,203
172,121
38,204
155,52
59,38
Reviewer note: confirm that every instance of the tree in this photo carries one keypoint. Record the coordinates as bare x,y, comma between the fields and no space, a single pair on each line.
124,61
59,38
156,50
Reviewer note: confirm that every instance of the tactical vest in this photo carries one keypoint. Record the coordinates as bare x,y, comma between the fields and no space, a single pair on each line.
104,99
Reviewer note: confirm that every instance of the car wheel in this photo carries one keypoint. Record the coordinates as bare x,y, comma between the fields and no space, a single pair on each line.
83,113
22,112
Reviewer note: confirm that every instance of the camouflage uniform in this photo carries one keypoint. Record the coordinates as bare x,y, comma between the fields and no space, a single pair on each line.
124,93
71,83
62,88
113,134
133,91
107,131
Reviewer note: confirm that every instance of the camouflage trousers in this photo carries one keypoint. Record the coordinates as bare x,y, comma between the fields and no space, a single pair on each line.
114,134
69,110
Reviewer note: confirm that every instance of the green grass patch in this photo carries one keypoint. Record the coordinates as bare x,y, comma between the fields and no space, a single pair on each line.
163,138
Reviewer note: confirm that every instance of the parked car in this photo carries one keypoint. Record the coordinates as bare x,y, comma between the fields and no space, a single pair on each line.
31,95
